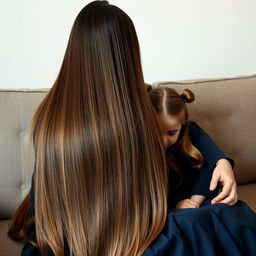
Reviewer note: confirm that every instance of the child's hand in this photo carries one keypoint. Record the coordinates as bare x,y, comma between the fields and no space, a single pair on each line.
223,173
198,199
187,203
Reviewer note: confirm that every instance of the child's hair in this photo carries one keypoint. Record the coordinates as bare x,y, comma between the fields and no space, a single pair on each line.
166,100
100,173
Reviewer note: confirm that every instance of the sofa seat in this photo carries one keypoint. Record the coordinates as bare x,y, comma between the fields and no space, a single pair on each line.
8,247
247,193
224,108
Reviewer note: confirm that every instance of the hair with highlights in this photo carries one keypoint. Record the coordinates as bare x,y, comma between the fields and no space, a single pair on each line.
100,176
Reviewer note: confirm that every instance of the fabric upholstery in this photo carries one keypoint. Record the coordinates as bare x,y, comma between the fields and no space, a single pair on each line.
247,194
226,110
16,160
7,246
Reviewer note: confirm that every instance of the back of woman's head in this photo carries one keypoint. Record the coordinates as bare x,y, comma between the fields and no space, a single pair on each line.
100,177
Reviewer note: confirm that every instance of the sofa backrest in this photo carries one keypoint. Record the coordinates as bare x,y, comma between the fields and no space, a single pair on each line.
16,159
226,110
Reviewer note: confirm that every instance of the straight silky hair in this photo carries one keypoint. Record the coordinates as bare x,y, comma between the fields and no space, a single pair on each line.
100,175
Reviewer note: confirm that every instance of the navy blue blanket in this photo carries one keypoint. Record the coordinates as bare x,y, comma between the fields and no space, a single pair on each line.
211,230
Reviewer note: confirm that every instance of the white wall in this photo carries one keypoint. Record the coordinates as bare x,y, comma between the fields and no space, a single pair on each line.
179,39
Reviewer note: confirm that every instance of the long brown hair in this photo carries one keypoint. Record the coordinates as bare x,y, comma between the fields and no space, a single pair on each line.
100,174
169,101
22,220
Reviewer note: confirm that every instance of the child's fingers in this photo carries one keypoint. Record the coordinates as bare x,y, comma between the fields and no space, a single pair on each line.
235,200
214,182
228,201
228,186
225,192
233,195
231,199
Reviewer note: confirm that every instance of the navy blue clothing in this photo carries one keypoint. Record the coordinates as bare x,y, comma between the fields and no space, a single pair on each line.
195,181
211,230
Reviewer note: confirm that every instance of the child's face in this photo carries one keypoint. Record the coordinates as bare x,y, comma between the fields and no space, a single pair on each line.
171,127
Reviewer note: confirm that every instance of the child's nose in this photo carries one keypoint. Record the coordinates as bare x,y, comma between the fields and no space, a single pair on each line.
167,141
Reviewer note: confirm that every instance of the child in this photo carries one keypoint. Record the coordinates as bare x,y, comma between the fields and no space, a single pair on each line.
191,154
194,226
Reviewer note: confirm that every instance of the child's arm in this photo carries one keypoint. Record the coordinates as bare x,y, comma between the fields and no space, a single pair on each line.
203,142
187,203
198,199
208,172
193,202
223,172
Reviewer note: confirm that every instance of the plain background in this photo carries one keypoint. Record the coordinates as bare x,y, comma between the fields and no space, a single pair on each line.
179,39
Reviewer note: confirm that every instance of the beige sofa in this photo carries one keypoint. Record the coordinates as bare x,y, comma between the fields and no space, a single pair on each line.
225,108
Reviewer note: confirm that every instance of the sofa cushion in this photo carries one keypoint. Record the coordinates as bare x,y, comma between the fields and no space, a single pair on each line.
16,160
247,194
7,246
226,109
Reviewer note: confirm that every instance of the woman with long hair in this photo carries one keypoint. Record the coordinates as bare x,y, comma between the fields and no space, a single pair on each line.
100,182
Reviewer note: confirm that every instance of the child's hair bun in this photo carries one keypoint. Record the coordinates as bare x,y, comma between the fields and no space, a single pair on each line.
148,87
187,95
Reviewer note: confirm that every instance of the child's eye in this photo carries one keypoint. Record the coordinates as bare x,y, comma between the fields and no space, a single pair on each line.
170,133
